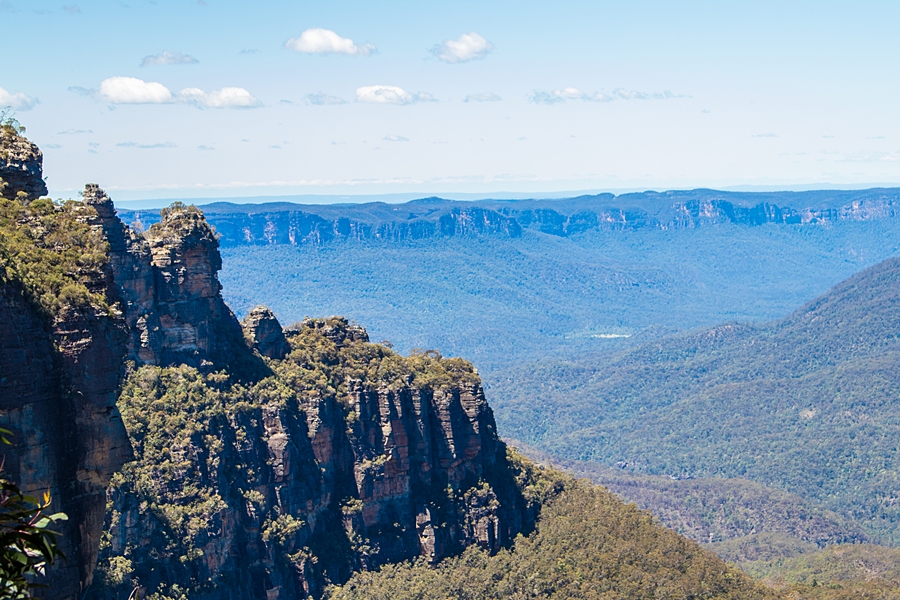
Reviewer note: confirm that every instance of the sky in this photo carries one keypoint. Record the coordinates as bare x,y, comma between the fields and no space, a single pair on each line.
217,98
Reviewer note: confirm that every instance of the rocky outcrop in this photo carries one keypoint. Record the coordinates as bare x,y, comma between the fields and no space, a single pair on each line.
166,279
21,165
323,469
265,334
268,463
59,380
60,371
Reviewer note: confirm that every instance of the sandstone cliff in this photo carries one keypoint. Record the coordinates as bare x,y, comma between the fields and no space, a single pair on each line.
346,457
167,281
268,463
435,218
62,350
21,165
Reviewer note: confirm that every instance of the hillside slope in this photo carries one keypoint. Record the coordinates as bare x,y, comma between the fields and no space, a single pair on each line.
806,404
589,544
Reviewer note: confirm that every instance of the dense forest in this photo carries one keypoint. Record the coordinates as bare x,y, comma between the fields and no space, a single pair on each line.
806,404
502,301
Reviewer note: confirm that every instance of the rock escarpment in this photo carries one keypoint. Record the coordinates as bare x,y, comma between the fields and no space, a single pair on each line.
268,463
21,165
435,218
167,280
62,353
80,295
346,457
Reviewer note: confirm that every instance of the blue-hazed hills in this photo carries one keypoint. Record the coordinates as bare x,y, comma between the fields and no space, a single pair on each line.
287,223
807,404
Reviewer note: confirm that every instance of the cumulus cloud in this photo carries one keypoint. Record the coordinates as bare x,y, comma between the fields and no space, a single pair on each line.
468,46
168,58
17,101
571,93
325,41
321,99
131,90
146,146
483,97
390,94
395,138
227,97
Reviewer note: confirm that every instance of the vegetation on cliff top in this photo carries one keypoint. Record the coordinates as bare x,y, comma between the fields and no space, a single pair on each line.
52,252
196,437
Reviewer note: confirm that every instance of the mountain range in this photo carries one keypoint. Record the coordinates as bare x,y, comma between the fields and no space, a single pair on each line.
205,457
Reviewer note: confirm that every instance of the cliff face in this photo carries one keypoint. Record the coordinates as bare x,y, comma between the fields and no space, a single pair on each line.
431,218
267,463
167,281
61,363
21,165
346,457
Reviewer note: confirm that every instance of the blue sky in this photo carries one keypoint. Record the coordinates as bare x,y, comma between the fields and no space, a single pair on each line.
180,98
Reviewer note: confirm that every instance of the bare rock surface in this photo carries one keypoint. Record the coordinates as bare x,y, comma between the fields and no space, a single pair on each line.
265,333
21,165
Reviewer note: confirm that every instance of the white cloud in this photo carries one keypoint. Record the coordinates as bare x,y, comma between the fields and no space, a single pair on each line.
395,138
227,97
468,46
131,90
325,41
168,58
17,101
571,93
321,99
390,94
483,97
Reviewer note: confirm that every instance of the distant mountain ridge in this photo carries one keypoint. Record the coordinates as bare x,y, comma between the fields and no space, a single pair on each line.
288,223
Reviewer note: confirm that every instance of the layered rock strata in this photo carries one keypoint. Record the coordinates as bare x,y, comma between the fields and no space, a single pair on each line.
166,279
265,334
339,470
59,380
21,165
268,463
